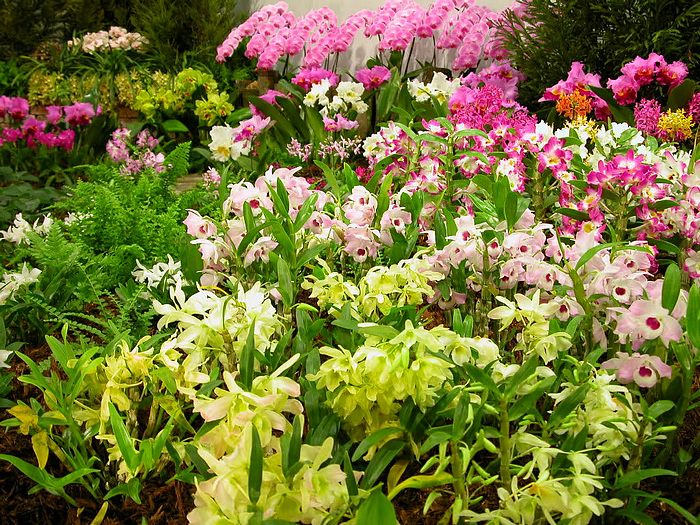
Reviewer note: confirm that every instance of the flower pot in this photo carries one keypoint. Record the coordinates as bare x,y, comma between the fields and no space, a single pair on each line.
38,111
267,80
127,116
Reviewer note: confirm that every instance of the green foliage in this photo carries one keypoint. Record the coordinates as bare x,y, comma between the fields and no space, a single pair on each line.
21,193
174,27
12,80
25,24
603,35
126,219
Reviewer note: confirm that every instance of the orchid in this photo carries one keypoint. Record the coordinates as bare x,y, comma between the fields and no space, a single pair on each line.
645,370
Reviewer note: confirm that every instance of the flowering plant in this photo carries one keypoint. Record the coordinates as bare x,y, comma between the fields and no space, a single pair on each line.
116,38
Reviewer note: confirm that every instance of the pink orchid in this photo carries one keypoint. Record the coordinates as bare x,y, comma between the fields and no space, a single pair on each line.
645,370
646,321
374,77
198,226
624,89
360,243
672,74
642,70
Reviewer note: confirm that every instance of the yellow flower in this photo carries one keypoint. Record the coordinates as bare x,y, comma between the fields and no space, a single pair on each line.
675,125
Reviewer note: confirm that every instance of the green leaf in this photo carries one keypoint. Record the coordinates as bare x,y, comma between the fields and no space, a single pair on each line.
522,375
434,439
373,439
291,445
255,471
680,95
132,489
330,178
528,403
387,95
479,376
660,407
591,252
307,209
350,480
197,460
381,461
310,254
461,417
378,330
285,282
250,236
620,113
315,122
376,510
692,316
124,441
567,406
634,477
174,126
572,214
291,111
663,204
635,516
383,196
422,482
665,246
671,287
693,520
275,114
247,363
464,133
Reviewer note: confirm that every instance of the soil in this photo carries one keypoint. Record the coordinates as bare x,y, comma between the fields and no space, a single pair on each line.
168,504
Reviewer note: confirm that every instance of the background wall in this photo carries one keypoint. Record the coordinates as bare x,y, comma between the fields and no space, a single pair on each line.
345,8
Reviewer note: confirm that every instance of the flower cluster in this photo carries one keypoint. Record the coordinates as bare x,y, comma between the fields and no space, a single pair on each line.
13,282
500,74
166,273
115,38
670,125
577,82
56,130
17,232
368,386
275,32
231,143
189,90
439,87
308,496
344,98
135,156
644,71
372,78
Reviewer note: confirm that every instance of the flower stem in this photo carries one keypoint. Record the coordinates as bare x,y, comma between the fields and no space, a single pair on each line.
505,445
458,472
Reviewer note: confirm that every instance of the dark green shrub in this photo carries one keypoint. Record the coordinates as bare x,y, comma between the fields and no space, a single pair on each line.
177,27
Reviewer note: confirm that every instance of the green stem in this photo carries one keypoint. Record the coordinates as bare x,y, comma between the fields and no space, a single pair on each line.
505,445
458,472
621,223
538,195
636,459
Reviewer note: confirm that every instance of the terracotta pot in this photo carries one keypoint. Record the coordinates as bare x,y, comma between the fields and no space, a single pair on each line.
127,116
267,80
38,111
